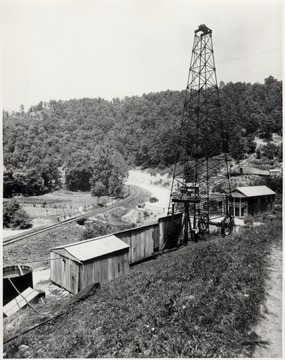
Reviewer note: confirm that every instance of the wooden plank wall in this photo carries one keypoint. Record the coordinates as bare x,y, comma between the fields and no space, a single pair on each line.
141,241
256,208
165,225
145,240
64,272
104,269
56,268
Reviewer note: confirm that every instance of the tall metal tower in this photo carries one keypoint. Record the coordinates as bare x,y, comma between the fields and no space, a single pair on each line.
201,185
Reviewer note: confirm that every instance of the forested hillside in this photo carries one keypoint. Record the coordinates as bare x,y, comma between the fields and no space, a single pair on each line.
92,142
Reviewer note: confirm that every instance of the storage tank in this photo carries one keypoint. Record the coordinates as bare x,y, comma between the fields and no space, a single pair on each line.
22,278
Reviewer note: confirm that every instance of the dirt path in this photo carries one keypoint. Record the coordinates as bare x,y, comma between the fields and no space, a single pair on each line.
270,326
151,183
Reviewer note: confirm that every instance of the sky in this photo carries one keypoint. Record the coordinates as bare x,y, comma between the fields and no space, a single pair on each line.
66,49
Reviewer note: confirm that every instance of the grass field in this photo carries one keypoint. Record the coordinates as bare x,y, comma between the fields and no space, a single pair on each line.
40,212
62,201
200,301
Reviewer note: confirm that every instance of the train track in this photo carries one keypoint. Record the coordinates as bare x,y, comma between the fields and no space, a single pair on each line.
134,193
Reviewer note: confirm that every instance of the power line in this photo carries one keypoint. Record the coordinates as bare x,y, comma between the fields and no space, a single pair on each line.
254,72
40,260
244,57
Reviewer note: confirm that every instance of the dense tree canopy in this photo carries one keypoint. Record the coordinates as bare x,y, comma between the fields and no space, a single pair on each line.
93,140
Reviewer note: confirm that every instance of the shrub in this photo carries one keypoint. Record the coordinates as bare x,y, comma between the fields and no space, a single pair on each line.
146,214
248,220
100,228
9,208
14,216
20,220
95,229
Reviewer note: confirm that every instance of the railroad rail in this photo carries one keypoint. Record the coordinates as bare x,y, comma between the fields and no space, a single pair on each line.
135,192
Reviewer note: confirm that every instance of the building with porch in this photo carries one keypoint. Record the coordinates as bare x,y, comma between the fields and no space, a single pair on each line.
251,200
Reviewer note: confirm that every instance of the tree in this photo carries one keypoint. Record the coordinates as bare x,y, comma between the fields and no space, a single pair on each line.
266,130
238,145
78,177
20,220
275,183
50,173
109,172
7,183
78,171
14,216
99,189
9,209
96,229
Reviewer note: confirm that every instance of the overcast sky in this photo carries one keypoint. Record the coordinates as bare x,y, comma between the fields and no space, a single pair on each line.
116,48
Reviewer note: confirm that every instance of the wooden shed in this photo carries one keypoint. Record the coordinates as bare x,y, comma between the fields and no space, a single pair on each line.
252,200
75,266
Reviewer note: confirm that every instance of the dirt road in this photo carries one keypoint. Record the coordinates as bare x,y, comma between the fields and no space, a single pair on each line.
270,326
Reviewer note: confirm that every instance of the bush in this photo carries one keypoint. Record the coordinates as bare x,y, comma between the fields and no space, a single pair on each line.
248,220
100,228
95,229
14,216
20,220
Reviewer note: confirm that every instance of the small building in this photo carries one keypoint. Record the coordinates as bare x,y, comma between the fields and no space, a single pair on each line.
248,170
275,172
251,200
98,260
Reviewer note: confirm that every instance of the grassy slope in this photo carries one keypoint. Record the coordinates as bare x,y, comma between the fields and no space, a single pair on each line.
199,301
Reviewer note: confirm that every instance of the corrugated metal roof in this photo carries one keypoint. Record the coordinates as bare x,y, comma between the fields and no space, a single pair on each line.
92,248
250,191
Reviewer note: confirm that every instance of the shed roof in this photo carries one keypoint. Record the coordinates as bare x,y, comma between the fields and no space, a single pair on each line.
250,191
92,248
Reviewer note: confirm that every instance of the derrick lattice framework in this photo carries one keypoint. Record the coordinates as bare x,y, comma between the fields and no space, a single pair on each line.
201,185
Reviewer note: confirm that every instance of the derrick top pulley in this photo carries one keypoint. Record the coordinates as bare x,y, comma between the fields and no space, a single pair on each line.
204,29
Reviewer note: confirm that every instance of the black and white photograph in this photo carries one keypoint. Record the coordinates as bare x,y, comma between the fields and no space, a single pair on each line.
142,176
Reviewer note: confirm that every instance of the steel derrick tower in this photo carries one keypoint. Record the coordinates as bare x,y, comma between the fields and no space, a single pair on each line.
201,184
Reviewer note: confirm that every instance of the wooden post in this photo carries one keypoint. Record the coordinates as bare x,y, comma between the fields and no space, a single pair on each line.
20,269
186,222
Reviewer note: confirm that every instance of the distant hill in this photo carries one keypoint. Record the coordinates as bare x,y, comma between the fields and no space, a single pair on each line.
80,135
